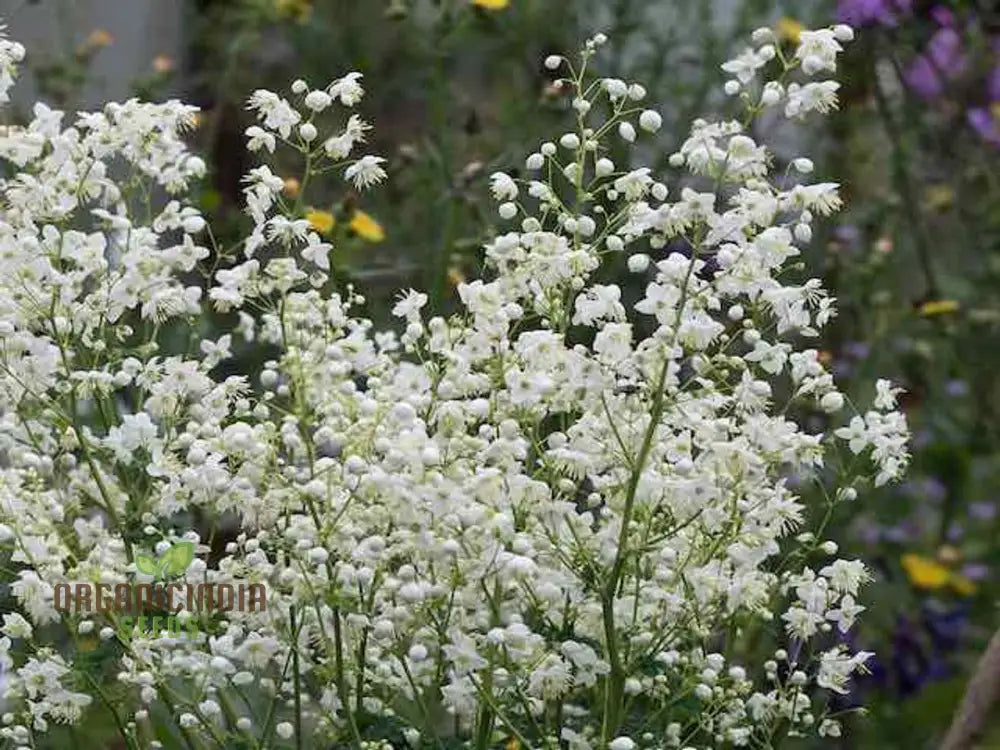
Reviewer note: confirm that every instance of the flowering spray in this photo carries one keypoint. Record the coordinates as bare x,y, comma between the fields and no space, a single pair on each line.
555,519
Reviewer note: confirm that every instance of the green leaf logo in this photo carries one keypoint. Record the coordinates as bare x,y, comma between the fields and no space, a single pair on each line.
177,559
146,564
174,561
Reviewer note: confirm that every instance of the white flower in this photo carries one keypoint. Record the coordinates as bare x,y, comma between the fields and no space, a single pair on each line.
258,137
348,89
836,668
409,305
366,171
503,187
317,100
818,50
276,113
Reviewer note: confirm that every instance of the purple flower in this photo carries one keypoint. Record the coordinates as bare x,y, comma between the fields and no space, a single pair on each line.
986,124
857,349
943,15
871,12
976,571
956,388
982,511
993,83
930,73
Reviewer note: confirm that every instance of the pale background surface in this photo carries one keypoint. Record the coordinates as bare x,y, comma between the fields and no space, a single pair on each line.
142,29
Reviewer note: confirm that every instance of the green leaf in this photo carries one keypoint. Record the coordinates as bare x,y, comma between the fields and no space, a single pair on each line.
177,559
146,564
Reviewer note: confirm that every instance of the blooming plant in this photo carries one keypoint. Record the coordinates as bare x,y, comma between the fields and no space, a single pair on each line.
558,518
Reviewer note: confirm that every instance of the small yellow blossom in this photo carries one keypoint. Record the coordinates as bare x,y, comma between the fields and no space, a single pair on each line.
938,307
789,30
491,4
455,276
99,38
300,10
962,585
939,197
512,744
366,227
925,573
322,221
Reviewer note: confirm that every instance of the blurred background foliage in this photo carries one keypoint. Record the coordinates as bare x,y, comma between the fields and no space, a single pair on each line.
457,90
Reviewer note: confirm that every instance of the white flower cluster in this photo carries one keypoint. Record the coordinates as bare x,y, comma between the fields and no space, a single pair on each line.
541,519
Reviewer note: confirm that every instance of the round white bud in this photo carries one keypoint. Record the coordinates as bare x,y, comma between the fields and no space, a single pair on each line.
570,141
604,167
650,121
843,32
638,263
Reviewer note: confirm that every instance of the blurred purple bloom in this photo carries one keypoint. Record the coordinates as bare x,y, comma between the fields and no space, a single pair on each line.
986,124
943,15
857,349
945,625
956,388
901,533
976,571
993,83
955,531
930,73
871,12
983,511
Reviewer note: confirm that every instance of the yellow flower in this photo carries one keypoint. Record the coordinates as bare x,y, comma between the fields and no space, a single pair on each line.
99,38
938,307
512,744
455,276
925,573
366,227
962,585
322,221
491,4
789,30
300,10
939,197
